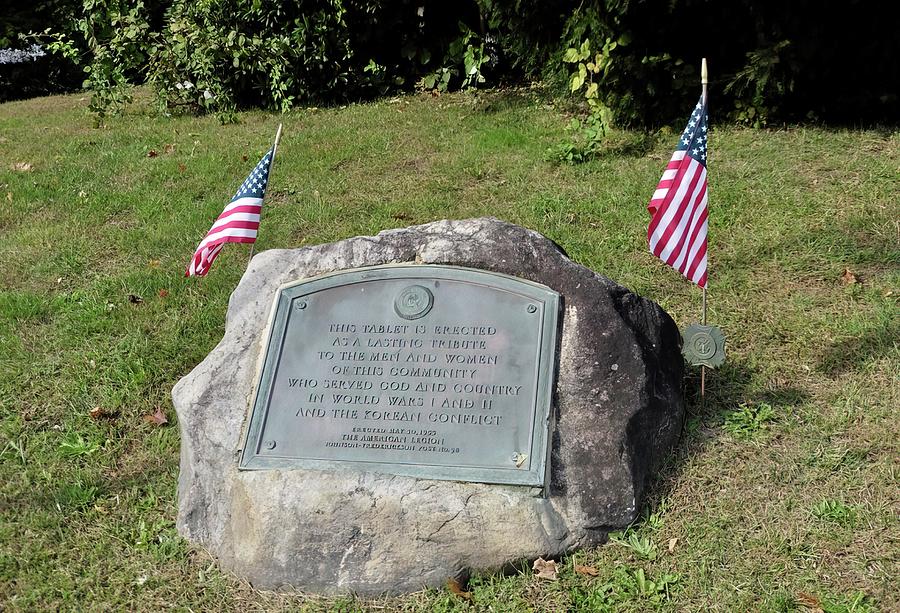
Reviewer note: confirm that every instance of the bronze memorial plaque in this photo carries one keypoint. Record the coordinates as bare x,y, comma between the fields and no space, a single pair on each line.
438,372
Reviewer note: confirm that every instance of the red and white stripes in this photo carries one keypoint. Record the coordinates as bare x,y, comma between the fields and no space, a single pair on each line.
678,227
238,223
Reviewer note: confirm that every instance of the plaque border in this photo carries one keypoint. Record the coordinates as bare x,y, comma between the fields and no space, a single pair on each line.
548,302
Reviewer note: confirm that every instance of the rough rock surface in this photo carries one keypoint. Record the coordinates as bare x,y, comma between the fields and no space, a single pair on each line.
618,412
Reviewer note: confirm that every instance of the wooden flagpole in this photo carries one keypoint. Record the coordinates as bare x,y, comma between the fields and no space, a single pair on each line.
704,80
271,166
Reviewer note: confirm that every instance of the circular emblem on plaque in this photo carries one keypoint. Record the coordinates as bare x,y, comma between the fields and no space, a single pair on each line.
704,345
413,302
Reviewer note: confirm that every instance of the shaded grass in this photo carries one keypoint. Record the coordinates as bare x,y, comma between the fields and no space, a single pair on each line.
767,513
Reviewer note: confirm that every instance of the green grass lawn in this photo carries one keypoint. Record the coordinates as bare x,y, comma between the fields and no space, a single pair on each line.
782,496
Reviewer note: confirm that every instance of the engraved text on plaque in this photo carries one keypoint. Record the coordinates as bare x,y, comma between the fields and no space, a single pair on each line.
431,371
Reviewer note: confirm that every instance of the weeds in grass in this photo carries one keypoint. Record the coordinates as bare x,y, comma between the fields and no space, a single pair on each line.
653,519
158,538
74,445
24,306
624,587
77,495
642,546
654,590
855,602
834,511
16,448
748,420
586,600
838,457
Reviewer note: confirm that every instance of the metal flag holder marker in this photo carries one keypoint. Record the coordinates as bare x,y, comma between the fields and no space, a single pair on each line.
704,345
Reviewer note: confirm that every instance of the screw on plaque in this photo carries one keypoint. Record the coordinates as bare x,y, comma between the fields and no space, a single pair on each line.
301,305
269,444
519,458
532,308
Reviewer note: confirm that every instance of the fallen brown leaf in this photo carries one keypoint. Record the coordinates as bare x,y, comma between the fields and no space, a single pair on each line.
152,153
163,293
588,571
545,569
243,158
22,167
168,148
101,413
182,168
809,601
9,196
153,263
849,277
672,543
456,587
158,418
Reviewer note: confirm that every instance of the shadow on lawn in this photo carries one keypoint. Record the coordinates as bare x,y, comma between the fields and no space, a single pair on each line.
632,144
852,353
495,101
726,388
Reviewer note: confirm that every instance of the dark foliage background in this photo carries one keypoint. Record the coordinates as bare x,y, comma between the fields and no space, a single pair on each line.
770,61
41,75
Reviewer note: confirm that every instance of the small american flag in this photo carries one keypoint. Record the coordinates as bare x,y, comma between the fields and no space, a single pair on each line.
238,223
678,208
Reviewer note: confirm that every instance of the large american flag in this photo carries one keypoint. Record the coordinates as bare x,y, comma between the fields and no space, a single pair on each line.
238,223
677,232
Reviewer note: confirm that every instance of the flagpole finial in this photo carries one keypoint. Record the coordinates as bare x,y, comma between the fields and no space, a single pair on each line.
704,76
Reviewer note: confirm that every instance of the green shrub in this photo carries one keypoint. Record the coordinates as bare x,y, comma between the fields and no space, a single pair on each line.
111,41
761,85
767,63
220,54
224,54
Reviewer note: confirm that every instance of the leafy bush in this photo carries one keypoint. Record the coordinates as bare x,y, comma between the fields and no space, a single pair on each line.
221,54
761,85
768,62
464,64
224,54
111,41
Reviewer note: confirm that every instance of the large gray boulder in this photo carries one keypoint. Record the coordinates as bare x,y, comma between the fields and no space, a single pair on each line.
618,411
